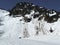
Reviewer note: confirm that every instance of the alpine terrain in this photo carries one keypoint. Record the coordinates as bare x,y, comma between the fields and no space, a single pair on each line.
29,24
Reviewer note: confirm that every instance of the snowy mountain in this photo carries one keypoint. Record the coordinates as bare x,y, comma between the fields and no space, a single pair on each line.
29,24
38,16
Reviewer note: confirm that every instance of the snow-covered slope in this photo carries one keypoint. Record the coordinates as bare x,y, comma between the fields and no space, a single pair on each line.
13,29
21,30
3,12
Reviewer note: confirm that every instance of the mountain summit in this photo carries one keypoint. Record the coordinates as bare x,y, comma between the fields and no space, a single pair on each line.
26,8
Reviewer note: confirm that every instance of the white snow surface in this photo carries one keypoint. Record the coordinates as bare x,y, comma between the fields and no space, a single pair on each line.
3,12
13,29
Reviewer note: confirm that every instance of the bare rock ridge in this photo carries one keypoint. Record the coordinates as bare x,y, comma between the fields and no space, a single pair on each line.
34,11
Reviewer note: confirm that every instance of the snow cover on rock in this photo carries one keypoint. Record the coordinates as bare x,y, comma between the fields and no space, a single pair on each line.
53,14
15,31
26,30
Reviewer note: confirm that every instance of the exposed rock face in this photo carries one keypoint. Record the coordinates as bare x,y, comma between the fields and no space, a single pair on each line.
23,8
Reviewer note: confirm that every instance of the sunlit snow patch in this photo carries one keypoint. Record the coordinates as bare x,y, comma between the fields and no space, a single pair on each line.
3,12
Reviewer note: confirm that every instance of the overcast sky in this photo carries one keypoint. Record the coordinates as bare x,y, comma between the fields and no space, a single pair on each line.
50,4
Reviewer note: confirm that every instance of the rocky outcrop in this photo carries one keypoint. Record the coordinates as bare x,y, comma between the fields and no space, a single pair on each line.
23,8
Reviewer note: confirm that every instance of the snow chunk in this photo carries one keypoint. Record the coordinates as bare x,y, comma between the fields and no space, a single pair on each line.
52,14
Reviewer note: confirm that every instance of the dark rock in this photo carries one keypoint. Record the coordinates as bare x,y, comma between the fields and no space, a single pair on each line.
35,15
26,19
51,30
23,8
